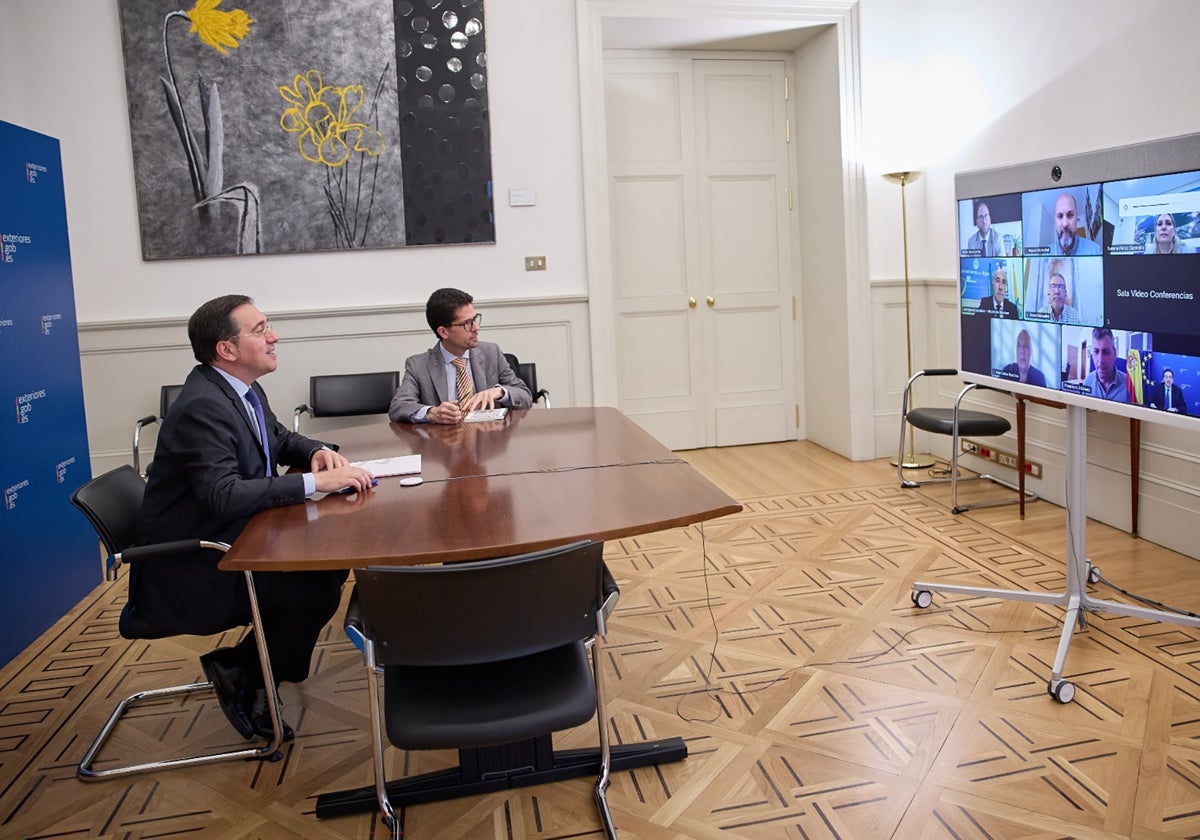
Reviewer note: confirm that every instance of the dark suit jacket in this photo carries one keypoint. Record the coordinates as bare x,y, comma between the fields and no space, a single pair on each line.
1158,398
424,381
208,478
986,304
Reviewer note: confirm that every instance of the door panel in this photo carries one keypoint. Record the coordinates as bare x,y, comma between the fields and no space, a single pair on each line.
647,221
644,122
742,161
701,248
653,204
752,368
745,241
659,335
740,111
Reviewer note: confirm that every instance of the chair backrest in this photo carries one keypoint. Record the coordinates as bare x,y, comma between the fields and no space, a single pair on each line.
526,372
167,395
111,503
483,611
348,394
166,398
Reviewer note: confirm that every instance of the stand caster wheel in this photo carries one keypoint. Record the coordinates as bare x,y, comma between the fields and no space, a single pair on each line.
921,598
1093,574
1062,691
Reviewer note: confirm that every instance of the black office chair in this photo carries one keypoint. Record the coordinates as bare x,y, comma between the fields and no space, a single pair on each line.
527,373
111,503
348,395
166,397
957,422
489,657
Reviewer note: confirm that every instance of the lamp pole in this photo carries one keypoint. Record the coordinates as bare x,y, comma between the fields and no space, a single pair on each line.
911,459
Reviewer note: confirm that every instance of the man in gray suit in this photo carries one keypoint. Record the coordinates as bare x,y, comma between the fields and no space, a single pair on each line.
433,390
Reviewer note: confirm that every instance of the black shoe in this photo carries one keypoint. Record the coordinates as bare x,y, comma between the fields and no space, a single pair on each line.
260,718
232,686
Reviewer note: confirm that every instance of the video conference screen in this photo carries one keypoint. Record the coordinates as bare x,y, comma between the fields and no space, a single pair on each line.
1090,291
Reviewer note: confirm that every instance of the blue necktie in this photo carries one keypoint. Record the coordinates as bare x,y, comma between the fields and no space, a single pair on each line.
256,404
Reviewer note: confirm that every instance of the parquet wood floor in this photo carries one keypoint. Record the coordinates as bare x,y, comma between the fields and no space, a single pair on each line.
780,643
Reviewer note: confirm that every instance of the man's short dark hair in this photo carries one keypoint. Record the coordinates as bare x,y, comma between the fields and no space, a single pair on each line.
1102,332
211,323
442,305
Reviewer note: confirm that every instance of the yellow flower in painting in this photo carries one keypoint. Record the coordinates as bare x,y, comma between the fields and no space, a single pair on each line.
323,117
216,28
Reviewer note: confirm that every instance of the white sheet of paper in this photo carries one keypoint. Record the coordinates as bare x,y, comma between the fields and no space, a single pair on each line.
484,415
398,465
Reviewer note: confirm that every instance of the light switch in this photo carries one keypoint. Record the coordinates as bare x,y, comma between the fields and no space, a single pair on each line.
522,197
535,263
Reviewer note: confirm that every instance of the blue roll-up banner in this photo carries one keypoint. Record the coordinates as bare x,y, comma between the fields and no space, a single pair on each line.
50,558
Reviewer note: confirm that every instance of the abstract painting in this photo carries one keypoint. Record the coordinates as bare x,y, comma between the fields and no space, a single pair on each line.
273,127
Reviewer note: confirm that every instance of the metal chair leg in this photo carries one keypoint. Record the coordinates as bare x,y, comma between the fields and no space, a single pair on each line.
86,768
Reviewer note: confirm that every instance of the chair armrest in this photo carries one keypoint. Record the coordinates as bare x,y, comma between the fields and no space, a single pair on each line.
354,624
142,553
612,594
303,408
137,439
904,402
958,400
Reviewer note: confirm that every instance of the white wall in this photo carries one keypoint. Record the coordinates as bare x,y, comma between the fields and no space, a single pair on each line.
824,314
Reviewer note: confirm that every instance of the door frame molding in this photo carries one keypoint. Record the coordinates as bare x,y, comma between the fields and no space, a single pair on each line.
843,16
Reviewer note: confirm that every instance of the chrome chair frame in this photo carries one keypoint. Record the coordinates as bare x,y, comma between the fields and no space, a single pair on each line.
116,543
975,423
166,396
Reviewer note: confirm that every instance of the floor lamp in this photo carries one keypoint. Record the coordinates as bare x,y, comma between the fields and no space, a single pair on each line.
912,460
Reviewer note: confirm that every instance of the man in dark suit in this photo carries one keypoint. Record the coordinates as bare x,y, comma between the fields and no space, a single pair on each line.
1168,396
438,386
210,475
997,304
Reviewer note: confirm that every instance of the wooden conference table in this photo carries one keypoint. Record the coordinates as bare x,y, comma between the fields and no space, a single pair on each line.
536,479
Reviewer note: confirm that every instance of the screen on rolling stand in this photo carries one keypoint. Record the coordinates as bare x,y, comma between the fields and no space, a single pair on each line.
1087,292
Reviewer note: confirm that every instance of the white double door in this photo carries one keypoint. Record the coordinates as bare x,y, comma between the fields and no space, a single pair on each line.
702,248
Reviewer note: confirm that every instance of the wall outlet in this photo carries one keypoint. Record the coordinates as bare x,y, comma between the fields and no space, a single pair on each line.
1033,469
535,263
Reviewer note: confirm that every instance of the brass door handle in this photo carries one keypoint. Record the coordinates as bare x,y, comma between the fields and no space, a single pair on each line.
710,301
691,303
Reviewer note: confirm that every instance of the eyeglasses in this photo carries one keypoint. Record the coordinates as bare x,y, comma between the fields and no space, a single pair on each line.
260,331
1062,286
470,322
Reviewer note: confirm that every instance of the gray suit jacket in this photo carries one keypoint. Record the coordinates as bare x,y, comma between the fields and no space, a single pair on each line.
424,381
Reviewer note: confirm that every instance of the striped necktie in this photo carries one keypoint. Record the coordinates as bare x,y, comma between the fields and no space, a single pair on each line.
462,382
